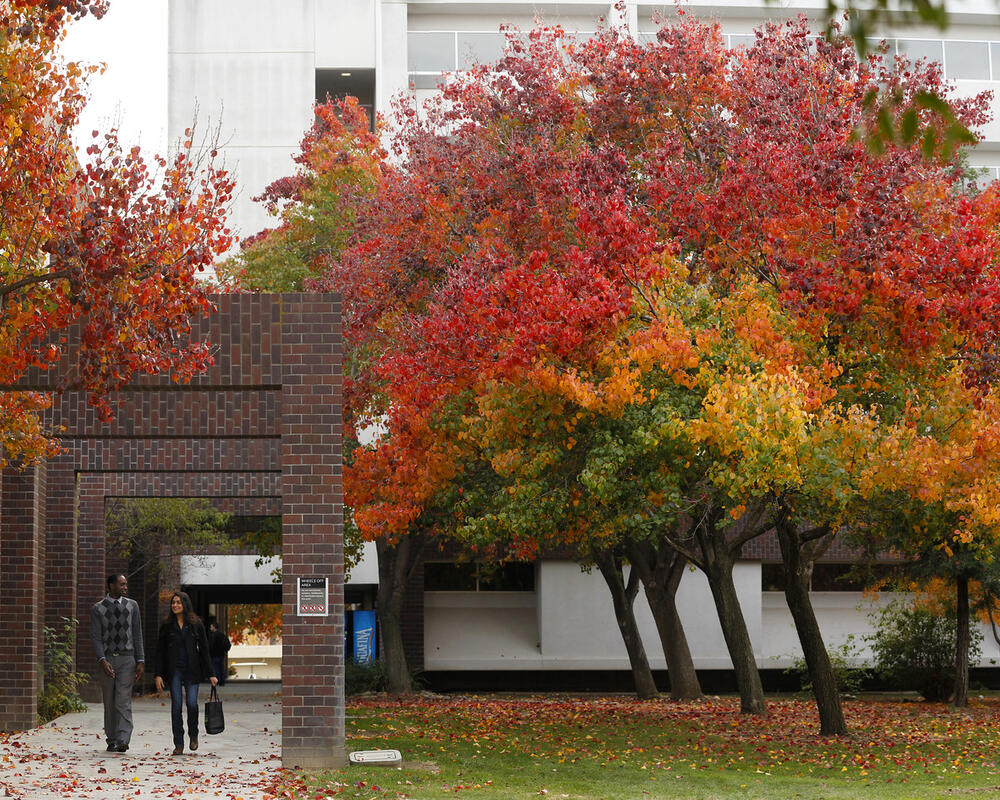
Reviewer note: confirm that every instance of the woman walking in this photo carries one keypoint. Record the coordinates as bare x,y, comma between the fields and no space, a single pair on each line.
182,661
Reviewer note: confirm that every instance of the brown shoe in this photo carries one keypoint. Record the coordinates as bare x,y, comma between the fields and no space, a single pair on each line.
177,751
194,743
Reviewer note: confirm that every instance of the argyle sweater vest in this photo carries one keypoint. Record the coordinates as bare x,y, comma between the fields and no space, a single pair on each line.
116,628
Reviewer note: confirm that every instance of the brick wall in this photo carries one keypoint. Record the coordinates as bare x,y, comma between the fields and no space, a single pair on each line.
260,429
312,656
60,541
23,586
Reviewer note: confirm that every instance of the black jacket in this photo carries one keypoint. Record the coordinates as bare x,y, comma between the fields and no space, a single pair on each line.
199,665
218,644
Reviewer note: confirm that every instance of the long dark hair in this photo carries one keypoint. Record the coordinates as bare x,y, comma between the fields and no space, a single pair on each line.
189,616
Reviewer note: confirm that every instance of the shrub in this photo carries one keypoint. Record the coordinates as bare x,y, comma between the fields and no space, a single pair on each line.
61,691
843,658
914,648
360,678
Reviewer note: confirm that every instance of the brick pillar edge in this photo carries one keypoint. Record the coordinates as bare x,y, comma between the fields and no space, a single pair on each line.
22,583
312,670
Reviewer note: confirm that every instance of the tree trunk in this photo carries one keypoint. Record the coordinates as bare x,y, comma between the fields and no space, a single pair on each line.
395,565
798,571
718,566
660,571
623,597
961,695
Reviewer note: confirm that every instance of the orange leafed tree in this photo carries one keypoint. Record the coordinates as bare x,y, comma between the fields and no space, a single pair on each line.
253,622
112,245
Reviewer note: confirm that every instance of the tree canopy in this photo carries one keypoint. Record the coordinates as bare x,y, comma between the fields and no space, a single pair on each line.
110,247
610,291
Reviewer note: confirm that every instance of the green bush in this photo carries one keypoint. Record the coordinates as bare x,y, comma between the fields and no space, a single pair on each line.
843,659
914,648
361,678
61,691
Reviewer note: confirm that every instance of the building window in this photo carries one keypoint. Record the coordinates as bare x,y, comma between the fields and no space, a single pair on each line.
336,84
915,49
430,52
480,48
967,60
741,40
828,577
469,576
839,578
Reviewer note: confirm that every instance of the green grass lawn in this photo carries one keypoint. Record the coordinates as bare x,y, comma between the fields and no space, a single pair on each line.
489,747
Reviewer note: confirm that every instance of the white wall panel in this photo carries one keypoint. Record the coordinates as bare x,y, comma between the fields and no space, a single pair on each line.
480,630
578,629
390,73
255,168
244,26
701,622
345,33
226,570
263,99
238,569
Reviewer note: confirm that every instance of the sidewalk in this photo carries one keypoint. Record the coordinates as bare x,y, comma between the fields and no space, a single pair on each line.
67,757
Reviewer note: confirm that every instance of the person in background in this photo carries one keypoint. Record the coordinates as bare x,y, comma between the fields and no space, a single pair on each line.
218,646
182,661
116,636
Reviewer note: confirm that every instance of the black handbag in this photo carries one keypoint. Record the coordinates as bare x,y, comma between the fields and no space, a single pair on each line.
215,721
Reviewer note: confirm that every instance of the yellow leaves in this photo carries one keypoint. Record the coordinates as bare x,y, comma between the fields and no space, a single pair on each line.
949,453
759,426
507,462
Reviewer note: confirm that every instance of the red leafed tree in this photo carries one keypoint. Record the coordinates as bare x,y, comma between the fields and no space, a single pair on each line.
112,246
541,196
526,215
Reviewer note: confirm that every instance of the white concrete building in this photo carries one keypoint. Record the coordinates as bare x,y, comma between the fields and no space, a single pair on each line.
256,67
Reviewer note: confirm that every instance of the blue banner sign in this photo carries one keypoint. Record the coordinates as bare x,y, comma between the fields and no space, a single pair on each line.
364,637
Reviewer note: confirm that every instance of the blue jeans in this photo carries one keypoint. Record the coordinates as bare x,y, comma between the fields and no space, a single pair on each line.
190,696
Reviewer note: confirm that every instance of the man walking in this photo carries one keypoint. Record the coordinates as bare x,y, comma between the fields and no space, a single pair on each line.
116,635
218,646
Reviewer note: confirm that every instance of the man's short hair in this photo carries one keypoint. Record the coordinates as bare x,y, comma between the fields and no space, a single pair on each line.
112,578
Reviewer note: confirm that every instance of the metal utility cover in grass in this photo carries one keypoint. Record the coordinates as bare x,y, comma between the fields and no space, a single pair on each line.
376,758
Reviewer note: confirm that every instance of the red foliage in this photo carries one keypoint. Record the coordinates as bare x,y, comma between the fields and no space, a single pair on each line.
112,246
528,211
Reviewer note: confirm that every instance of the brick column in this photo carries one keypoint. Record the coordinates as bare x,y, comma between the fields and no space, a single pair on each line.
91,587
23,587
312,670
60,540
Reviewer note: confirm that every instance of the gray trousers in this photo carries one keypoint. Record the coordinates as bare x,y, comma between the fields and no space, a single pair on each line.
117,695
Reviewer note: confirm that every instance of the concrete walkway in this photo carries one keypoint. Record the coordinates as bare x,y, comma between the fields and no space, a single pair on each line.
67,757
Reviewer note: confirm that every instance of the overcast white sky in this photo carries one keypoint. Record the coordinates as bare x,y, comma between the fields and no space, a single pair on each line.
132,93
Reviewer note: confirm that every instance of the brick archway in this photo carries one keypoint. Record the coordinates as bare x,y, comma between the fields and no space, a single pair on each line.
265,421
